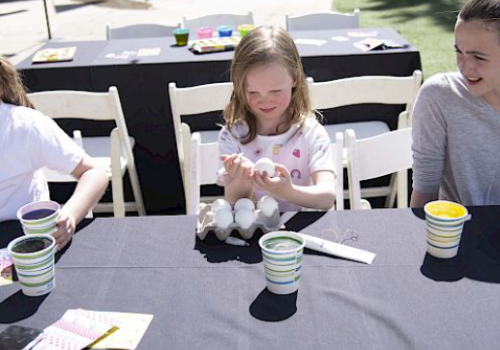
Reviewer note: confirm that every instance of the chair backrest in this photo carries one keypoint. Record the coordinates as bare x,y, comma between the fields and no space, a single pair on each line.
203,166
98,106
367,89
216,20
193,101
325,20
376,156
337,154
139,31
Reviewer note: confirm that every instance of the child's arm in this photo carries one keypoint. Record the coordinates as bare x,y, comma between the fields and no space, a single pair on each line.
92,182
238,181
319,195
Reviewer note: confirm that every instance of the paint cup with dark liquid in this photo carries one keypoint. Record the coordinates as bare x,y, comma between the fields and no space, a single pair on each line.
282,253
33,257
39,217
181,36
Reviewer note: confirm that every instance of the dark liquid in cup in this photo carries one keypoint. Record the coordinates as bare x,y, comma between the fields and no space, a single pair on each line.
31,245
38,214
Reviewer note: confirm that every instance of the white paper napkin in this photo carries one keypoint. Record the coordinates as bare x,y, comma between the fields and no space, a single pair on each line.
336,249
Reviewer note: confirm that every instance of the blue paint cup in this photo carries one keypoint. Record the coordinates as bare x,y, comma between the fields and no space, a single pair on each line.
225,31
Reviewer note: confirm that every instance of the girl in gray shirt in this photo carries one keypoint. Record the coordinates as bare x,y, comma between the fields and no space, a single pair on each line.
456,119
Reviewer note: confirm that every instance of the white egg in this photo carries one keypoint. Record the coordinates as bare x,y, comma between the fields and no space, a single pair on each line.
268,205
223,218
244,203
220,203
264,165
244,218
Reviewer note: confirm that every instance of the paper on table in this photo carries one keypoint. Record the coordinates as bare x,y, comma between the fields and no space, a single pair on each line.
5,267
340,250
316,42
153,51
131,330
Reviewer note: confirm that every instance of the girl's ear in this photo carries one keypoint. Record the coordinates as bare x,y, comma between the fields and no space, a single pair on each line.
294,83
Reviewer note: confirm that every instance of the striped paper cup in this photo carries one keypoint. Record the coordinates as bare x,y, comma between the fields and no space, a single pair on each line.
33,257
444,224
39,217
282,253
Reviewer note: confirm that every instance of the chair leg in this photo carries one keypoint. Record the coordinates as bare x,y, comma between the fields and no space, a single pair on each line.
116,175
136,189
402,185
391,198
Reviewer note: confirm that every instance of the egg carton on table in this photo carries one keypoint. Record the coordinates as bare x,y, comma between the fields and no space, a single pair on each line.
265,223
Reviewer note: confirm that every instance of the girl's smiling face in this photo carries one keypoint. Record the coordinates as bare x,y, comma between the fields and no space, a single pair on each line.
477,45
268,91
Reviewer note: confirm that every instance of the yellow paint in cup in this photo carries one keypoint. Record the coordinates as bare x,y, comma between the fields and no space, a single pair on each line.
445,209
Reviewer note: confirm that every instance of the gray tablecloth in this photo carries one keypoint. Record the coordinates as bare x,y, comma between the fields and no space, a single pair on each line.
210,295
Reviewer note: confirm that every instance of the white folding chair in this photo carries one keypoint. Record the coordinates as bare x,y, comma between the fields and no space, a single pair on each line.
139,31
191,101
112,153
325,20
368,89
215,20
378,156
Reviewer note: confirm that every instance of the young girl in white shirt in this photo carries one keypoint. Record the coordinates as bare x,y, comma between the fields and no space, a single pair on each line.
30,141
270,115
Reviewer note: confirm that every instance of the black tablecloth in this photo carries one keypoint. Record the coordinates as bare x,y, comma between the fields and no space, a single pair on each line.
212,296
143,86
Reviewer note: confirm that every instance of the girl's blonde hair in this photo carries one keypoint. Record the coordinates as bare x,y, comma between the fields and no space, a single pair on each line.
11,87
266,45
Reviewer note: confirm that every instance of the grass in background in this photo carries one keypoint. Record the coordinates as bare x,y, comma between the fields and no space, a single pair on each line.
427,24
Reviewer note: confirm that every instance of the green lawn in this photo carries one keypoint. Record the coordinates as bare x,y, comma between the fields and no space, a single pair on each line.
427,24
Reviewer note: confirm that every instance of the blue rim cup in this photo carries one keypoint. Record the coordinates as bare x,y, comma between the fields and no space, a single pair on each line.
444,222
282,253
33,257
39,217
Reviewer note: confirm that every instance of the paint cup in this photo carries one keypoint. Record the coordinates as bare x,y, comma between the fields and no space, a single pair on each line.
204,32
39,217
181,36
444,224
245,29
225,31
33,258
282,256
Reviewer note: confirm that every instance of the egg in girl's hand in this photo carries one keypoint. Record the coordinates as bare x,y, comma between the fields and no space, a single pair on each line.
220,203
264,165
244,218
268,205
244,203
223,218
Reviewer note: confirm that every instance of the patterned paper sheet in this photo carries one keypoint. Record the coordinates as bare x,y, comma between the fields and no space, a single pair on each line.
76,330
5,267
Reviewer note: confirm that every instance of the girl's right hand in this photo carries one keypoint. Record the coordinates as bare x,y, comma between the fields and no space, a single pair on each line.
238,166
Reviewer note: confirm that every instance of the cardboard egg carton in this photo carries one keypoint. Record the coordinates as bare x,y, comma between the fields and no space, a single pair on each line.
206,224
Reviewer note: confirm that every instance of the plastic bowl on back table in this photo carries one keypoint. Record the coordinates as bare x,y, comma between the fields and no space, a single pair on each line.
181,36
225,31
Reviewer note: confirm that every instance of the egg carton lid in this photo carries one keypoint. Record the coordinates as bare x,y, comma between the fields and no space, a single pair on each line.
206,224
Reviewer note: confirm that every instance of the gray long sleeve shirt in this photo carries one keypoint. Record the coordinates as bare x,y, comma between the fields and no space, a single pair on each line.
456,143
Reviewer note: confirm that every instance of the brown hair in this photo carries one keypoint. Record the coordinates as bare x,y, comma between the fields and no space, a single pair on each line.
266,45
487,11
11,87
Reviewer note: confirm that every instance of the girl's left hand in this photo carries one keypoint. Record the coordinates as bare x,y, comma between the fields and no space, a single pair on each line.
65,229
276,186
